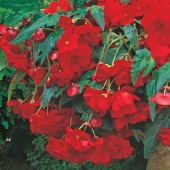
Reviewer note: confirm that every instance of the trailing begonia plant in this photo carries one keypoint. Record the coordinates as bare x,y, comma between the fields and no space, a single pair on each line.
100,69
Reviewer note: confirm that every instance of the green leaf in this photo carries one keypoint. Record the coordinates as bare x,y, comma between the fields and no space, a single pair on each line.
164,76
26,32
3,62
17,5
95,85
5,123
2,74
17,78
151,132
98,15
23,13
60,91
151,86
85,117
1,140
141,61
63,100
48,93
131,34
79,2
49,43
85,80
150,66
152,108
80,106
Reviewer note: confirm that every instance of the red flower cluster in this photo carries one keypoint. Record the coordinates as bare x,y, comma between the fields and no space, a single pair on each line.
74,51
14,55
78,146
53,123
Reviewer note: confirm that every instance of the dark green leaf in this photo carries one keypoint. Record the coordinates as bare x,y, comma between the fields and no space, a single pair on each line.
95,85
5,123
131,34
150,65
141,61
85,80
98,15
1,140
49,43
152,108
17,78
79,2
85,117
80,106
23,13
3,62
63,100
151,86
151,132
60,91
17,5
48,94
164,76
26,32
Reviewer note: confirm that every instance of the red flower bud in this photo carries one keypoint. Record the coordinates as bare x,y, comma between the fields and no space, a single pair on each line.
96,122
38,35
53,55
72,89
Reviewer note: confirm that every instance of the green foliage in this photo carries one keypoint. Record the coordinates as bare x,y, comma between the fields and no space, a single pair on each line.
12,11
25,12
16,5
151,86
163,75
48,44
17,78
142,60
97,13
79,12
26,32
109,54
3,62
152,108
48,93
4,14
152,129
85,80
79,2
131,34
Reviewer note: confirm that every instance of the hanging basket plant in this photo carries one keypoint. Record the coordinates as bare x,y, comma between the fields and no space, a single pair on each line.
100,71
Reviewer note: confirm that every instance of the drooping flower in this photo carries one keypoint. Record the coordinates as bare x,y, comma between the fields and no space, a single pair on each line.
52,123
161,99
123,103
121,71
98,100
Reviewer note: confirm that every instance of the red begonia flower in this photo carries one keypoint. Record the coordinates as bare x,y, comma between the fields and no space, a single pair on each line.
161,99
